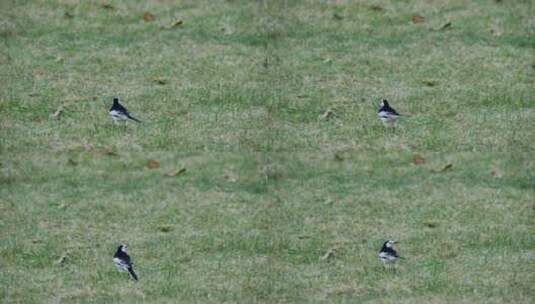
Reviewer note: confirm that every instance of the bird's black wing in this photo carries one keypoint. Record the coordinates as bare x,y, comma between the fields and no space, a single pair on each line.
390,251
389,109
394,112
125,258
119,107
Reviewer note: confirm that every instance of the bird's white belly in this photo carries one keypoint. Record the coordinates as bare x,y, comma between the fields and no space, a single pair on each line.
387,258
387,117
116,115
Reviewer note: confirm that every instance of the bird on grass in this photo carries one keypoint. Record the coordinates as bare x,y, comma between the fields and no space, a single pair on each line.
387,114
119,113
388,255
123,262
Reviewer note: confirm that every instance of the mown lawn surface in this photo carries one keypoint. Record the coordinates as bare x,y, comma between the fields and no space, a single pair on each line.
236,188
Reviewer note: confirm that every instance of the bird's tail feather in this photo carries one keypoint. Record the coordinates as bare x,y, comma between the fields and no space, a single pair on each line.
134,119
132,273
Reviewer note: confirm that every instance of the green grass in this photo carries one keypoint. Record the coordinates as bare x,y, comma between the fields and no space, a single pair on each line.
269,186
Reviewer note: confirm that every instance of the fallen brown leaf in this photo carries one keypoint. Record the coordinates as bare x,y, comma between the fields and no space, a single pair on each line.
160,80
418,160
430,224
230,178
377,8
176,23
165,228
110,153
495,30
108,6
417,19
57,113
176,172
328,255
148,17
496,173
445,26
62,260
429,83
337,16
446,167
153,164
327,114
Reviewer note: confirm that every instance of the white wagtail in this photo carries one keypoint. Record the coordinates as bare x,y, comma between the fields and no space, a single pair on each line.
120,113
386,113
387,254
123,262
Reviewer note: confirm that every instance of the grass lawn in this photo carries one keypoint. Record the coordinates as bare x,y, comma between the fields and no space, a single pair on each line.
235,188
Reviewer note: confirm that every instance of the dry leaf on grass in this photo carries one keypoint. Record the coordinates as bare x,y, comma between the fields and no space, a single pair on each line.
153,164
148,17
176,172
230,177
494,30
417,19
110,153
418,160
62,260
377,8
430,224
327,114
173,25
429,83
496,173
446,167
445,26
58,112
328,255
108,6
160,80
165,228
